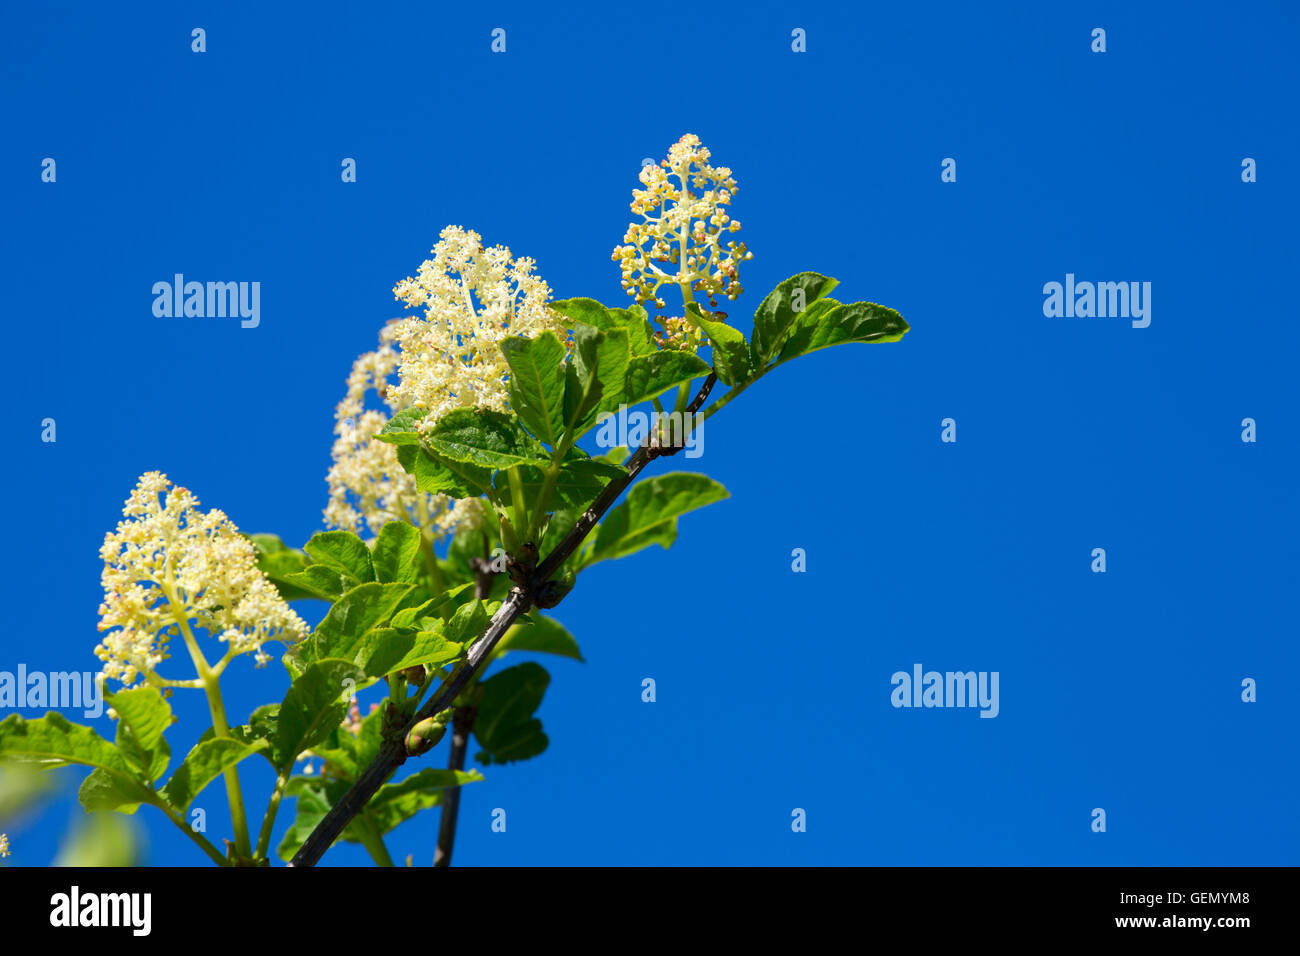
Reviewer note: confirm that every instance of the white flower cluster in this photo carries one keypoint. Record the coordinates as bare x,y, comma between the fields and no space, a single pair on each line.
367,483
444,359
472,299
169,566
680,238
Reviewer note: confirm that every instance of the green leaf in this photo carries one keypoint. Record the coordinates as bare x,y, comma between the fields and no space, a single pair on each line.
781,307
484,438
314,705
280,563
648,514
577,484
105,791
402,428
54,741
315,581
544,635
505,727
208,760
731,360
394,803
641,335
467,623
612,356
537,383
396,553
344,552
142,716
394,650
651,375
582,387
344,631
582,311
829,323
437,476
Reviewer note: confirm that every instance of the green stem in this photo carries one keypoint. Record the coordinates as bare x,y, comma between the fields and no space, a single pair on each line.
221,727
203,843
519,504
268,821
372,841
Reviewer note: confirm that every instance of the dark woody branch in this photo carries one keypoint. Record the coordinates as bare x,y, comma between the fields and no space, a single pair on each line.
535,589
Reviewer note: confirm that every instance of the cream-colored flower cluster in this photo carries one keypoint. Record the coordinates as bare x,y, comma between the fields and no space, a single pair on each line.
682,230
472,297
367,484
170,566
4,845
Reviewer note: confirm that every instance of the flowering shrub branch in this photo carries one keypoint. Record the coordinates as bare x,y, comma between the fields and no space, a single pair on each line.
483,508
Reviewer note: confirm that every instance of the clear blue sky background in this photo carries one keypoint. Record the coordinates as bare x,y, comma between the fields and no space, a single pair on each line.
1119,691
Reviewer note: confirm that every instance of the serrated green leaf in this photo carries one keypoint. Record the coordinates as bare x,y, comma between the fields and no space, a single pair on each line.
830,323
345,629
142,716
537,383
781,307
315,581
394,803
396,553
505,727
344,552
651,375
543,635
731,359
402,428
314,705
436,476
208,760
484,438
394,650
648,514
103,791
467,623
582,386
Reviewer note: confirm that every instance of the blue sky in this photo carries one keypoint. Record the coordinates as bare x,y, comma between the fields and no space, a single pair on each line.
1118,690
